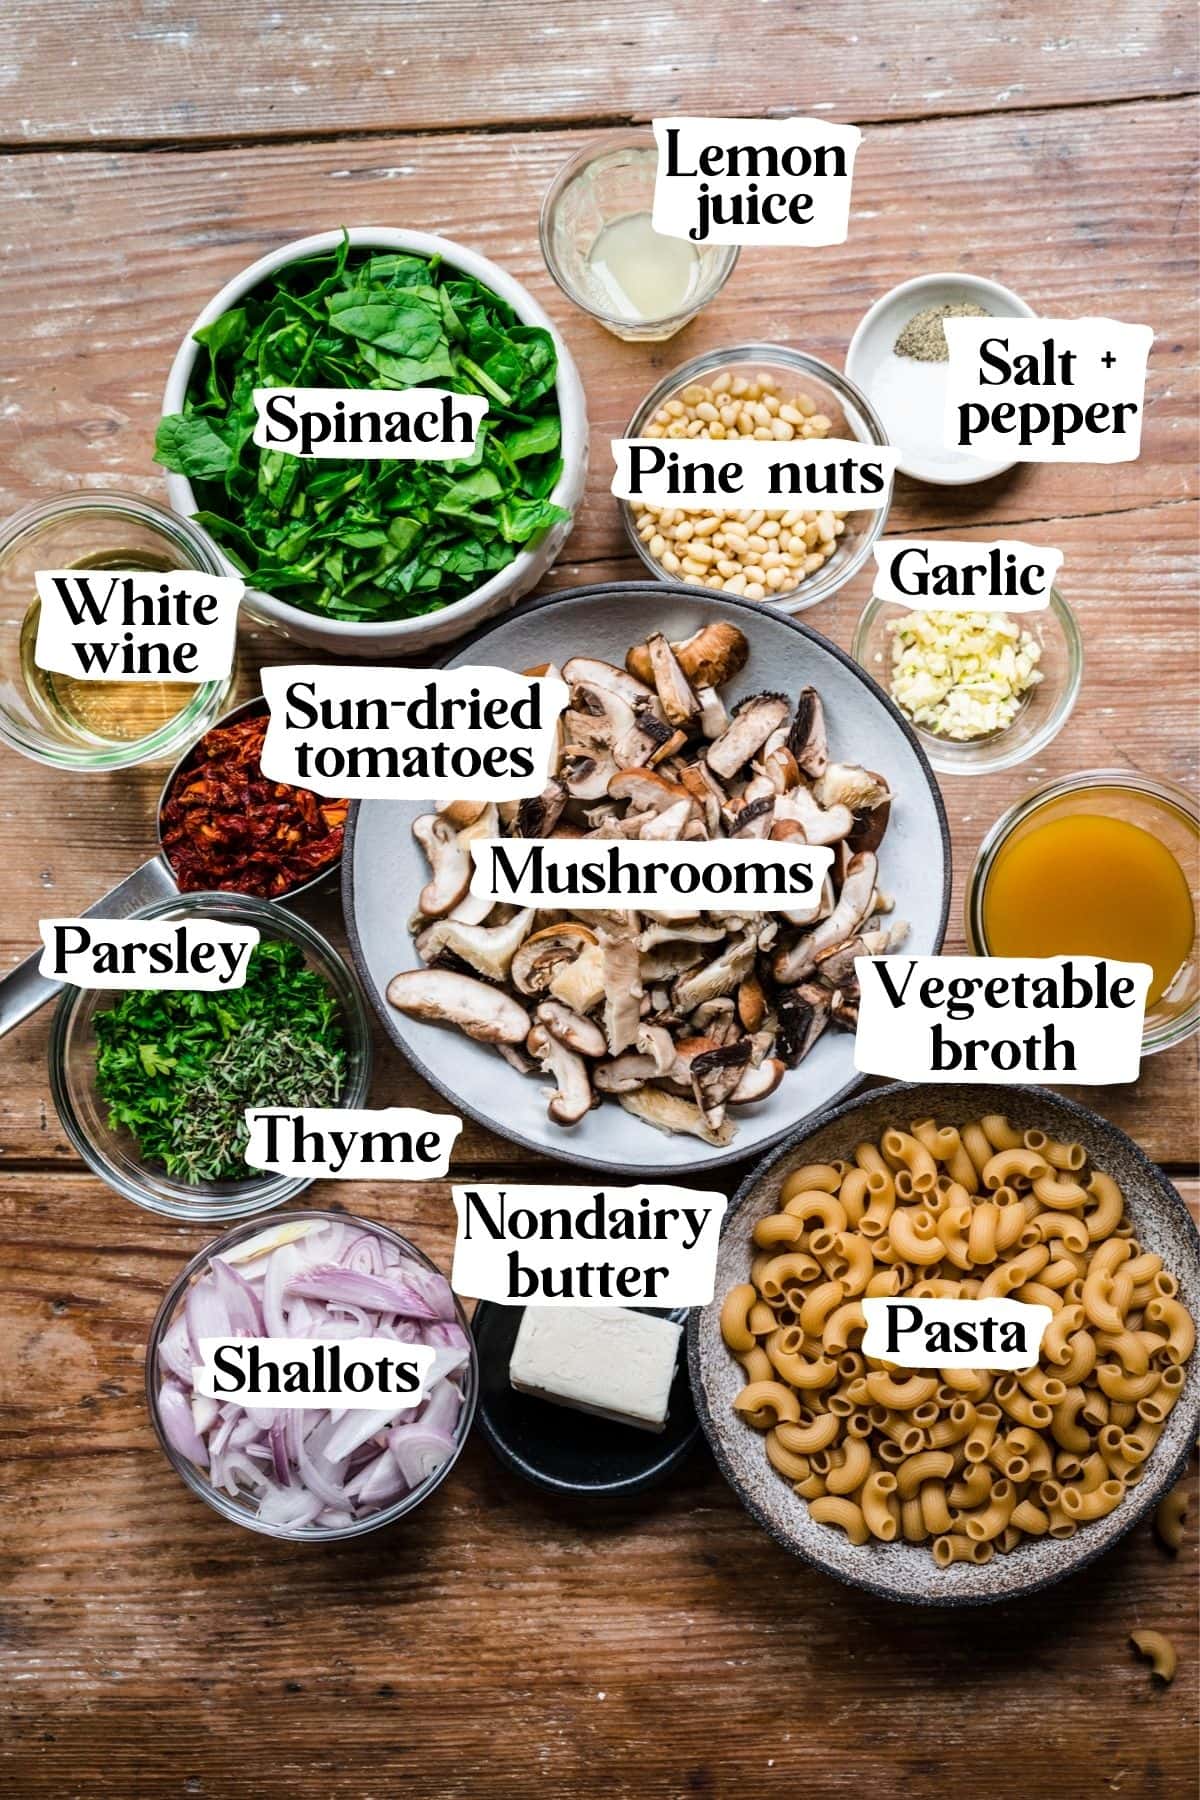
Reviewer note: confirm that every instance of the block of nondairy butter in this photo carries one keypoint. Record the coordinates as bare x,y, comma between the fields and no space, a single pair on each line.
605,1360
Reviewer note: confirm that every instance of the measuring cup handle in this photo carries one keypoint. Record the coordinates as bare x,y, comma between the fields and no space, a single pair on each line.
23,990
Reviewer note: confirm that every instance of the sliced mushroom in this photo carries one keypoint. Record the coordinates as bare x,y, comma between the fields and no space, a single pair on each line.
582,1035
715,1075
803,1014
717,1019
847,784
704,790
637,694
443,995
751,1003
460,812
714,720
656,1042
622,993
489,949
646,790
720,976
671,930
835,966
807,739
518,1058
753,820
538,817
752,724
624,1074
572,1097
852,909
843,1008
757,1083
781,768
449,860
580,984
671,1113
671,684
819,824
670,824
544,953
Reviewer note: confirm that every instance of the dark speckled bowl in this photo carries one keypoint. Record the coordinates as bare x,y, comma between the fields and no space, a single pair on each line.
907,1571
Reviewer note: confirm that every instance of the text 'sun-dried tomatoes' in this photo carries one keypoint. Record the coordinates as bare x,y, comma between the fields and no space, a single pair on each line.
225,826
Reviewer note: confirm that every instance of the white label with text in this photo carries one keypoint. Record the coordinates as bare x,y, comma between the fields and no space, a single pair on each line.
1046,390
428,424
754,181
137,624
411,734
394,1143
356,1373
1000,1018
949,575
702,474
564,1246
756,876
204,954
954,1334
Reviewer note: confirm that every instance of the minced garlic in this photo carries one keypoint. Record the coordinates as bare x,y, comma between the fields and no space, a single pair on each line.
962,675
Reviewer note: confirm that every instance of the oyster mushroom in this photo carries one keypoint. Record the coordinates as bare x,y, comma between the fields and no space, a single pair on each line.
846,784
542,954
449,861
671,1113
752,724
852,909
622,993
582,1035
718,977
807,738
489,949
572,1097
446,997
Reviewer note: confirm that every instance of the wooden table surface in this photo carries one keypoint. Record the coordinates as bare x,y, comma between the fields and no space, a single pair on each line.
506,1643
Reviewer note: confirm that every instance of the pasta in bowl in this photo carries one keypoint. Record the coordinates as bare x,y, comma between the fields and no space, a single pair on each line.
952,1486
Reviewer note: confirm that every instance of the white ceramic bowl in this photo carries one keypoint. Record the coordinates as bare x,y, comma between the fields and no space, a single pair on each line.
383,869
395,637
871,348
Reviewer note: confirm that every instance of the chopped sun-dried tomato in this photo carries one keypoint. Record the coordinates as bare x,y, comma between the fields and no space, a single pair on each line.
225,826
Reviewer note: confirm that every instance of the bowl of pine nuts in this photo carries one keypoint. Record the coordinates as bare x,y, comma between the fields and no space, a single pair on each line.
786,557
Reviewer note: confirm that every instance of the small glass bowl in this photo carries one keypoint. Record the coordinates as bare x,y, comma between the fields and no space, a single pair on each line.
1044,709
1167,812
598,187
852,415
237,1510
114,1155
58,534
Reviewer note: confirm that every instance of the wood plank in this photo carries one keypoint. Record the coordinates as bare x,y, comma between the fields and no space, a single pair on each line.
69,855
178,72
154,236
498,1640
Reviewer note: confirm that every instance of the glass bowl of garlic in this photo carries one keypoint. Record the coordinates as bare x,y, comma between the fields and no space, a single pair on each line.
791,557
984,690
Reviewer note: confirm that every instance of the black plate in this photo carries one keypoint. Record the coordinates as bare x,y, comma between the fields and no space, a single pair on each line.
571,1452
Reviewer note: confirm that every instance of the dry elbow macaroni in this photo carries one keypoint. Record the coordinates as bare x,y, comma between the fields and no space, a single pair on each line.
968,1461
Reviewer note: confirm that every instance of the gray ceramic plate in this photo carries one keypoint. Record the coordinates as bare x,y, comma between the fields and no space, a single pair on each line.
383,870
907,1571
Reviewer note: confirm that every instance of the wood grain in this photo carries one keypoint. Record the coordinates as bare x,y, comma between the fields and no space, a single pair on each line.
499,1642
1107,575
175,71
1080,212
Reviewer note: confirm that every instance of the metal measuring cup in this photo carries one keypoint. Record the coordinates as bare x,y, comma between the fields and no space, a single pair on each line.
24,991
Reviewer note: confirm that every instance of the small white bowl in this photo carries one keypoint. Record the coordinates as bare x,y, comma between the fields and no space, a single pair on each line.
394,637
870,358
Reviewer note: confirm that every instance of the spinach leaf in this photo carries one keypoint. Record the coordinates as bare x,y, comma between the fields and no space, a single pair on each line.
362,538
